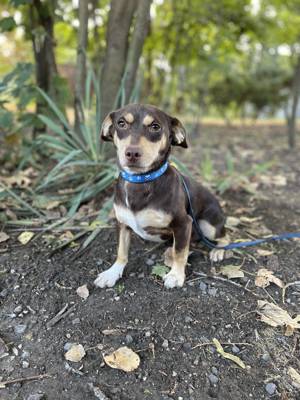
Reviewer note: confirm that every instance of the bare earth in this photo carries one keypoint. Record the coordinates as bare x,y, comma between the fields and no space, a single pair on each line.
171,330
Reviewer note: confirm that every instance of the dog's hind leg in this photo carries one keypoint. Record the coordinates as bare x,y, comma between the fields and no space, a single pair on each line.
214,233
109,277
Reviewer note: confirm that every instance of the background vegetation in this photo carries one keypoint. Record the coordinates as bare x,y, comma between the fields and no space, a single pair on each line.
65,64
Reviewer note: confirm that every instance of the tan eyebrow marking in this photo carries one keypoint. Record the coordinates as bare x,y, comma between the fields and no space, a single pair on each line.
148,120
129,118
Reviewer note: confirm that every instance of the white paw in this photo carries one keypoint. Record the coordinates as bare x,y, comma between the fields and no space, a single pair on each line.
109,277
216,255
172,280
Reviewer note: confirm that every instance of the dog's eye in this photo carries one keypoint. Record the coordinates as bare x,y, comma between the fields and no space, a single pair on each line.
154,127
122,124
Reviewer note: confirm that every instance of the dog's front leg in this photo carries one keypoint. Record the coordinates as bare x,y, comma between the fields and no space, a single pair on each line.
109,278
182,229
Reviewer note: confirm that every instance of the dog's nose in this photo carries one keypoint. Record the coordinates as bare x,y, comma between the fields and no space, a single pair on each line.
133,154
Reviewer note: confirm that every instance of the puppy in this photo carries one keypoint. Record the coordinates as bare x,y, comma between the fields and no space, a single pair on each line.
149,196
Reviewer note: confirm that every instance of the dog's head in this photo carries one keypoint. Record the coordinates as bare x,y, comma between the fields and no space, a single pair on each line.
143,136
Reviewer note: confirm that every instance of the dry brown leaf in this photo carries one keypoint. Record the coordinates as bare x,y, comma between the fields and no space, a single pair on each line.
295,376
265,277
232,222
83,292
76,353
250,220
273,315
232,271
68,235
229,356
25,237
3,237
123,358
264,253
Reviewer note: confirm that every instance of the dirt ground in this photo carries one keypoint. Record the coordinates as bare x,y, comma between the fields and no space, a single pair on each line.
171,330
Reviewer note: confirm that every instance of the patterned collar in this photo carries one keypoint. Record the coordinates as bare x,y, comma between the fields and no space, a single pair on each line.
147,177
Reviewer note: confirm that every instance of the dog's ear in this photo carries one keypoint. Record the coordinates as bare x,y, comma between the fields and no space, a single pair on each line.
107,128
178,133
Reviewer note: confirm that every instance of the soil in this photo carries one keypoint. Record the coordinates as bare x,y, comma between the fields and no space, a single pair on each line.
171,330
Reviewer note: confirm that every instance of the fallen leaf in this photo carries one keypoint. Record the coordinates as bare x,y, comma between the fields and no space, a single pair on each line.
232,222
83,292
295,376
76,353
25,237
264,253
265,277
159,270
230,356
68,235
273,315
250,220
232,271
123,358
3,237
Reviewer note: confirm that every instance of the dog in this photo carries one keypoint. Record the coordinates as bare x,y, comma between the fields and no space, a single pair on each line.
149,196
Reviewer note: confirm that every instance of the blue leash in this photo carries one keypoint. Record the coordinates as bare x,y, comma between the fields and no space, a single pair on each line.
230,246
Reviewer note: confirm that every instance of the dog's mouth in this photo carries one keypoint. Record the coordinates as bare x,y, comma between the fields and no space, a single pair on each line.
135,169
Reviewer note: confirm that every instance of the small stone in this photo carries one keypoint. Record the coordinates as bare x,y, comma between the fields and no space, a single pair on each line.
270,388
174,373
25,364
187,347
18,309
212,291
149,262
203,287
37,396
148,334
266,357
213,379
99,262
15,351
128,339
4,293
141,275
215,371
68,345
19,329
25,354
235,349
165,344
188,319
76,321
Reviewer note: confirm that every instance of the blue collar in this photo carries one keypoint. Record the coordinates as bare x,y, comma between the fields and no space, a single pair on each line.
147,177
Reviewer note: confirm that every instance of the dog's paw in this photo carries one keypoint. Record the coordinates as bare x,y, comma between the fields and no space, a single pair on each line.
168,259
109,277
172,280
216,255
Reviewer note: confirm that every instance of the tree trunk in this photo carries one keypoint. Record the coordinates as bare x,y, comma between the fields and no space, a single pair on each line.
141,30
80,75
119,22
42,36
292,120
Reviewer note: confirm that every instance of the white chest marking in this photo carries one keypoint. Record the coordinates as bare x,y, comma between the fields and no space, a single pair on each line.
143,219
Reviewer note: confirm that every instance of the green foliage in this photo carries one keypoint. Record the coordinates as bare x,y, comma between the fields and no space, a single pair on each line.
80,156
7,24
17,88
159,270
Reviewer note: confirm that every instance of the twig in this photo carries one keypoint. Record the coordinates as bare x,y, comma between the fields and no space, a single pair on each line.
25,379
219,278
223,343
286,286
61,314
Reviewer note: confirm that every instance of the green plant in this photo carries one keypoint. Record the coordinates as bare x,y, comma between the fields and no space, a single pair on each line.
81,164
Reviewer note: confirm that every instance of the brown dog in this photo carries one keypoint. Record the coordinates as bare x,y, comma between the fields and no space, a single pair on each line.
156,210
